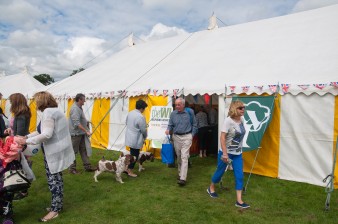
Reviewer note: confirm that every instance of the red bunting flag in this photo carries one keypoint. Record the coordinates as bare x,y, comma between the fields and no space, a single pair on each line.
319,86
232,88
206,98
285,87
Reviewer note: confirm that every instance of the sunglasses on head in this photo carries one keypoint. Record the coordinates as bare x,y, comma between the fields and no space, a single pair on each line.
240,108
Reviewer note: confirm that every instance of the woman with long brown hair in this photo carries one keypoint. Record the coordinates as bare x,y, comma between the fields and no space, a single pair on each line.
22,115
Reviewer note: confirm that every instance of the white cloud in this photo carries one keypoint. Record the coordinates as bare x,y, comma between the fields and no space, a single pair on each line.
167,4
160,31
20,39
303,5
84,47
19,12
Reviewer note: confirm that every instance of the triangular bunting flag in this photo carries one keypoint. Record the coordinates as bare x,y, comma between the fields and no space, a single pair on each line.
260,88
245,88
165,92
304,87
273,88
319,86
285,87
335,84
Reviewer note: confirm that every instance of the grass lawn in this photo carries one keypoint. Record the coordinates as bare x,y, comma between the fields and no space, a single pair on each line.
155,197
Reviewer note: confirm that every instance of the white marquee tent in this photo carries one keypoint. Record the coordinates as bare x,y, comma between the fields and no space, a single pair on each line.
19,83
297,52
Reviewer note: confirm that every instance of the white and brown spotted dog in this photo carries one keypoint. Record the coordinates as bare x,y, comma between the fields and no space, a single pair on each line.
118,166
143,156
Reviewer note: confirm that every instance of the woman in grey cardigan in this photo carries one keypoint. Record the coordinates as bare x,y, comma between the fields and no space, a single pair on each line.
53,133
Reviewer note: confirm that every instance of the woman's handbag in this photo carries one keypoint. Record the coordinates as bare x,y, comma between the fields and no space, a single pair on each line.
167,152
15,179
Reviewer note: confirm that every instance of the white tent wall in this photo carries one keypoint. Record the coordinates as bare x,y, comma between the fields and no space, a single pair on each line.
117,123
306,137
62,104
88,108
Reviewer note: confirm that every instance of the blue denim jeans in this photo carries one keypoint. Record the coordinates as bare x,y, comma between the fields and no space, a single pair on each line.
237,164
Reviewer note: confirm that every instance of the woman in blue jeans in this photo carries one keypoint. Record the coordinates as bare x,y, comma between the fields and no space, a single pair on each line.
232,134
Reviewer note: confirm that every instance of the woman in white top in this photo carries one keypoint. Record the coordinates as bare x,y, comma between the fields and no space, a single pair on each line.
53,133
232,134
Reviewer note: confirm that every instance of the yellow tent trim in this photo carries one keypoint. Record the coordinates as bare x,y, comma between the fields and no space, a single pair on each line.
100,137
70,103
335,134
3,104
33,121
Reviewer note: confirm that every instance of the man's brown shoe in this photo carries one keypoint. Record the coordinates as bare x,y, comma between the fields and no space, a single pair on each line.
90,169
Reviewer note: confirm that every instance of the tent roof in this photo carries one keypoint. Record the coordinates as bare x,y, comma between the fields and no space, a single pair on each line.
300,50
19,83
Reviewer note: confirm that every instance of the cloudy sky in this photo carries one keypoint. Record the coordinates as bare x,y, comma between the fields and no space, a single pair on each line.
59,36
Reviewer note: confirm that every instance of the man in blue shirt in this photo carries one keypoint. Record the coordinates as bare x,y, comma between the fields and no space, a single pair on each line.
183,126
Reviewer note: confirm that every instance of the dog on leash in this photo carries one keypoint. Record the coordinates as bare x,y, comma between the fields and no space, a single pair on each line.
143,156
118,166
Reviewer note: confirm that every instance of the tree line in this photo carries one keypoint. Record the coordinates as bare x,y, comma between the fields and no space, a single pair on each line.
47,79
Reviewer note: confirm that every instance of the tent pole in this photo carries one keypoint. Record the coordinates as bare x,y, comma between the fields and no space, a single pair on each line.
329,187
247,182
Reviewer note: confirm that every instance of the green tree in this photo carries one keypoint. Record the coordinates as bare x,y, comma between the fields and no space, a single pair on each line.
44,79
77,71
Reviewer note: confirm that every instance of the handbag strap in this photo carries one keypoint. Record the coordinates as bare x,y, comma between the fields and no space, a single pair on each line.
13,172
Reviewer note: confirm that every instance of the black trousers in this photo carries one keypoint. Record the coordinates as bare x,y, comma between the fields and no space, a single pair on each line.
136,153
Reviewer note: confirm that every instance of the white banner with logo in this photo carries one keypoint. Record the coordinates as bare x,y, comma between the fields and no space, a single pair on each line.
158,123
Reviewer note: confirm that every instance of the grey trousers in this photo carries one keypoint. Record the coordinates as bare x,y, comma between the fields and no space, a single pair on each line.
79,146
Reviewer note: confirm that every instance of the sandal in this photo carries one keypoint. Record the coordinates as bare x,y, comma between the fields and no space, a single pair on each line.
46,220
